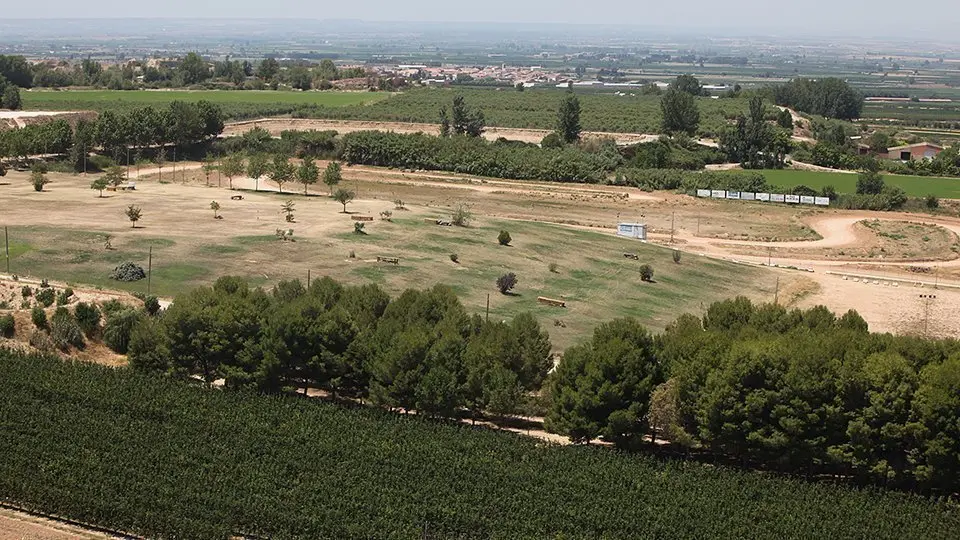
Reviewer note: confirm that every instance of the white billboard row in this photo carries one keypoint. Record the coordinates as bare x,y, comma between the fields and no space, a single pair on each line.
765,197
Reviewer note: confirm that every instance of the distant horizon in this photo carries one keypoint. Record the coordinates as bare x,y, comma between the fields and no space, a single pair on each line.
709,20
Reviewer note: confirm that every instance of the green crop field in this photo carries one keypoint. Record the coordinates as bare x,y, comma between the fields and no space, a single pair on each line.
915,186
235,103
163,458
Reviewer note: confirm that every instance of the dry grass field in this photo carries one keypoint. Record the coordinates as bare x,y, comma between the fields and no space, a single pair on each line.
61,233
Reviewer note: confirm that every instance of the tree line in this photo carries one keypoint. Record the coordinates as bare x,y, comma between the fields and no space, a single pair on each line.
830,97
800,391
180,124
420,351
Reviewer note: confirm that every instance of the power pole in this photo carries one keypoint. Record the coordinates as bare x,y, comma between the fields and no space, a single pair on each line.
488,307
776,292
927,299
128,163
698,224
769,255
673,220
149,268
308,278
6,245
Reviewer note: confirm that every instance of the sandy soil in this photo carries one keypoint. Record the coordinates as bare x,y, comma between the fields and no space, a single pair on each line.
276,125
20,526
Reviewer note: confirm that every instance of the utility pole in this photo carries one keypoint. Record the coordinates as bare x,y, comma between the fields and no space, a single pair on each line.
488,307
84,150
128,163
308,278
927,299
6,245
776,292
769,255
149,268
698,224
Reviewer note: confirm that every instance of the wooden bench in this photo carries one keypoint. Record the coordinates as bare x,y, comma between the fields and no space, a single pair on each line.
390,260
633,256
551,301
362,218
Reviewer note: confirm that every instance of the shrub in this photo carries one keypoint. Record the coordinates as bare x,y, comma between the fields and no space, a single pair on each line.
454,257
676,256
506,282
504,238
7,326
151,305
46,297
461,215
128,271
552,140
88,317
63,298
399,205
932,201
39,317
42,342
44,283
553,267
386,215
26,291
64,330
358,227
116,333
112,307
646,272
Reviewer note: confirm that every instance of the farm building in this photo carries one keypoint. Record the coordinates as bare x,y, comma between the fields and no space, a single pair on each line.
632,230
918,151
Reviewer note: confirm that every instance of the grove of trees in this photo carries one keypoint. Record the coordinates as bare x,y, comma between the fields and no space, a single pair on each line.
829,96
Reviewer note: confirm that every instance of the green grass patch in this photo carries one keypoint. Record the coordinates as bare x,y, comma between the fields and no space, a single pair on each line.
914,186
17,249
219,249
253,240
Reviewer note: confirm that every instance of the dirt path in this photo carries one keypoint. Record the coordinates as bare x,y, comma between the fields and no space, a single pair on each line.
22,526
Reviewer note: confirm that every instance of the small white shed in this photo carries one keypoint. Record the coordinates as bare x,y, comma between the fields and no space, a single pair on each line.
632,230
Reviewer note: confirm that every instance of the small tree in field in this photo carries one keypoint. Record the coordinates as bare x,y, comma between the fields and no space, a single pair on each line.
39,179
215,206
231,166
257,167
114,176
332,175
208,167
288,209
134,214
343,197
307,173
506,282
676,256
99,184
461,215
281,170
504,238
646,272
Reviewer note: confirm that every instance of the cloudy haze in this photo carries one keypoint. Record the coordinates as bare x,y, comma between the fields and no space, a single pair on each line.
931,19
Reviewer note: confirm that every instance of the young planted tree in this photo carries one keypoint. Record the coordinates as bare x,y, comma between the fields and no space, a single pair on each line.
114,176
307,173
39,179
209,166
256,167
332,175
99,184
343,197
646,272
281,170
215,206
231,166
160,159
134,214
444,122
288,209
568,118
504,238
461,215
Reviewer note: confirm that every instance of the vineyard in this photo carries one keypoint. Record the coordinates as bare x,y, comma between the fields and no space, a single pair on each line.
166,459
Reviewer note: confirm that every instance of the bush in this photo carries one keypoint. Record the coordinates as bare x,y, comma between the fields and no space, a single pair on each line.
116,333
552,140
553,267
112,307
42,342
46,297
504,238
506,282
676,257
7,326
454,257
39,317
358,227
646,272
26,291
63,298
88,318
461,215
128,271
932,202
64,330
151,305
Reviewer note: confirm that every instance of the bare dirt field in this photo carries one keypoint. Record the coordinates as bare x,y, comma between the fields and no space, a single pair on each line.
20,526
276,125
62,231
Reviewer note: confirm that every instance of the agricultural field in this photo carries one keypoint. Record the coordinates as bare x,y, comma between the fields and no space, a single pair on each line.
915,186
163,458
235,104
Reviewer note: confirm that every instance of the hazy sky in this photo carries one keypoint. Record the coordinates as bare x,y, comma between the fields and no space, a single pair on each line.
933,18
